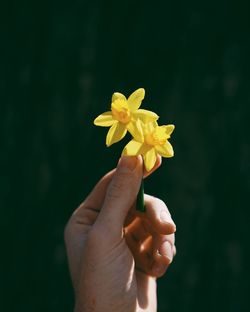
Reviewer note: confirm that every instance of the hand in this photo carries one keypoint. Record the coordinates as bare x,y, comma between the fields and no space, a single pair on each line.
116,253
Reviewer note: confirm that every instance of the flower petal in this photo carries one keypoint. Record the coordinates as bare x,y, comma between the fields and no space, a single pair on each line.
104,120
115,133
133,148
150,159
165,150
149,126
168,129
134,100
118,96
145,115
135,129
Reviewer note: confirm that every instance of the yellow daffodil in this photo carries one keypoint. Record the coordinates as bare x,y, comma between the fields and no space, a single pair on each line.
155,141
124,116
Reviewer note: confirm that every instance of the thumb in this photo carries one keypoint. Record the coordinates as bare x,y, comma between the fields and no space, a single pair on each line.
121,195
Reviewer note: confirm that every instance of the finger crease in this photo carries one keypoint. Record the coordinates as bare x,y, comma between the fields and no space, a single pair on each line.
92,209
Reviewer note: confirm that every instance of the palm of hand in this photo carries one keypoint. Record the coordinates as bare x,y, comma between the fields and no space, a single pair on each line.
111,268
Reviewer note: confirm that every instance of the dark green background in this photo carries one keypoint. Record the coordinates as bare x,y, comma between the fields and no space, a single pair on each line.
61,61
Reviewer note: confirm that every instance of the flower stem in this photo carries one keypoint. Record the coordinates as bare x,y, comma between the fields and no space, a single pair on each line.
140,199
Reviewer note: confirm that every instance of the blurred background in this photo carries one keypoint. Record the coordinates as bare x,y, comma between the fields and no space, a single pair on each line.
60,63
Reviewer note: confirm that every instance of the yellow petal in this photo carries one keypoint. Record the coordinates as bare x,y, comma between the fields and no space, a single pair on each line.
135,129
117,96
168,129
104,120
149,127
165,150
134,100
133,148
145,115
150,159
115,133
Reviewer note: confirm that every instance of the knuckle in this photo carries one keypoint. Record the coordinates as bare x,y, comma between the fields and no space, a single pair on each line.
162,205
118,186
169,238
114,191
159,204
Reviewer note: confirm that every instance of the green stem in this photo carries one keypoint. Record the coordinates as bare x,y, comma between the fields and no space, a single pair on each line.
140,199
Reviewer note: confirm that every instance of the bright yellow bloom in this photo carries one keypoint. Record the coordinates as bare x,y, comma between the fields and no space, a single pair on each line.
124,116
155,141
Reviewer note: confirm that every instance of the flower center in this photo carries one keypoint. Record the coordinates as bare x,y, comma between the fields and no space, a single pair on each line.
157,137
120,111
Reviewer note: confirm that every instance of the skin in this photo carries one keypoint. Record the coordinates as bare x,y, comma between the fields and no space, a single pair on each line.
115,253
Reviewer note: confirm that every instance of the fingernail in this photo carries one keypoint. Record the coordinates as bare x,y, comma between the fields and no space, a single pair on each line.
159,268
128,162
166,250
165,218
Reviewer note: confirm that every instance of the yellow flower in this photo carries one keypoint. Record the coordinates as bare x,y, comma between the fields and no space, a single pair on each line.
155,141
124,116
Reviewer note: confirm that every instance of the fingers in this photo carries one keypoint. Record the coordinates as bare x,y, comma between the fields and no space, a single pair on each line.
152,256
163,253
120,195
137,231
151,238
153,252
87,212
141,248
159,223
158,215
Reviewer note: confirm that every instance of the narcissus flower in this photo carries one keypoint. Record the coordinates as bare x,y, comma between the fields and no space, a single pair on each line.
155,141
124,116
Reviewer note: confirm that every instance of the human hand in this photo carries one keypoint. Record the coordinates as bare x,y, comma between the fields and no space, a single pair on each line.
116,253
